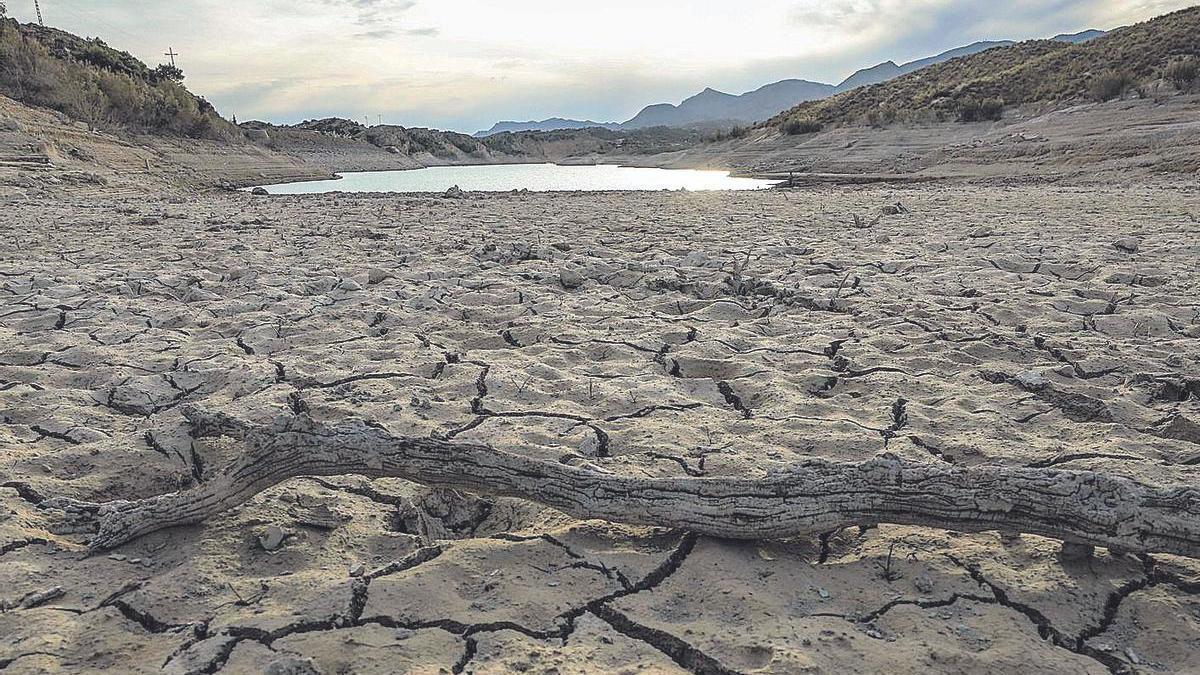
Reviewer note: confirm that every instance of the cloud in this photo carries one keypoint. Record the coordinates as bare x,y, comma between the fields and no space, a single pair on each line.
374,12
389,33
381,34
467,63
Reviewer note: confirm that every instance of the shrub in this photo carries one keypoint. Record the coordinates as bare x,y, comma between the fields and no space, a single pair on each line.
1110,84
100,55
1183,73
796,127
165,73
881,116
88,81
719,135
981,110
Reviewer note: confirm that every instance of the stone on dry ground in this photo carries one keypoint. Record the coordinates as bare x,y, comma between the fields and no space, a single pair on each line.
655,334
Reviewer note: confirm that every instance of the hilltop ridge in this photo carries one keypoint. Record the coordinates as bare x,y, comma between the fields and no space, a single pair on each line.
1036,71
91,82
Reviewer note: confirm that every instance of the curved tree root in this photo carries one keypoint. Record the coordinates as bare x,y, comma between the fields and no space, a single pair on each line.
1078,507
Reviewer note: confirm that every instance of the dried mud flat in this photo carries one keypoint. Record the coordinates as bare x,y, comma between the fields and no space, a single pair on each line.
656,334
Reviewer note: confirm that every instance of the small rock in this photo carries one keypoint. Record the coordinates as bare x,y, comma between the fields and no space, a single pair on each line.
1074,552
358,570
292,665
1127,244
570,279
1032,380
378,276
455,193
320,517
589,446
883,239
260,191
981,232
272,538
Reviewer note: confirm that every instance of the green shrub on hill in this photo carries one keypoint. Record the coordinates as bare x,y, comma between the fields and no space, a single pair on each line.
89,81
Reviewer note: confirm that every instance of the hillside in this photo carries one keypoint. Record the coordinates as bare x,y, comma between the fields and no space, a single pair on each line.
717,107
552,124
889,70
1040,71
89,81
337,144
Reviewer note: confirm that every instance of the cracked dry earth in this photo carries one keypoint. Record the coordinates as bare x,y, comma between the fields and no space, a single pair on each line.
657,334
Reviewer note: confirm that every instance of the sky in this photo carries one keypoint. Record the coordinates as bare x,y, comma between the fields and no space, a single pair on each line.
466,64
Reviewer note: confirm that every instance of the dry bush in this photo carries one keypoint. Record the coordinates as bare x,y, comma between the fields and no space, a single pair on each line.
1110,84
981,110
1183,73
797,127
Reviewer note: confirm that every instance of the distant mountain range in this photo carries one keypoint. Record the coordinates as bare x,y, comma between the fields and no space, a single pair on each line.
552,124
716,108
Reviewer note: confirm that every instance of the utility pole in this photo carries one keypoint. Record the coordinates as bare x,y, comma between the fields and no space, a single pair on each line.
38,6
171,53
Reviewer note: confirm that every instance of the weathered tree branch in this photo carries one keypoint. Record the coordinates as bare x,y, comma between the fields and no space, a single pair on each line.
1078,507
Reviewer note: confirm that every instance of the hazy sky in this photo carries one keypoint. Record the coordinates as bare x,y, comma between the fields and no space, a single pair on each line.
464,64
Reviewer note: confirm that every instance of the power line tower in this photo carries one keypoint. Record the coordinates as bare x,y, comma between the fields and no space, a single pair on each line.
171,53
38,6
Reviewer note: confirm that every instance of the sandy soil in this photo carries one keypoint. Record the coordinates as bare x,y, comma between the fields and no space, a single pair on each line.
1043,326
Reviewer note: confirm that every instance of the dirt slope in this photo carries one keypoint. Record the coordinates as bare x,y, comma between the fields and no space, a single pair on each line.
45,152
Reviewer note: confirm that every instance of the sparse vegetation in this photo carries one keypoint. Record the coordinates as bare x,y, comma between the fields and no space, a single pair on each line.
797,127
1183,72
880,117
1110,84
89,81
981,110
1038,71
738,131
